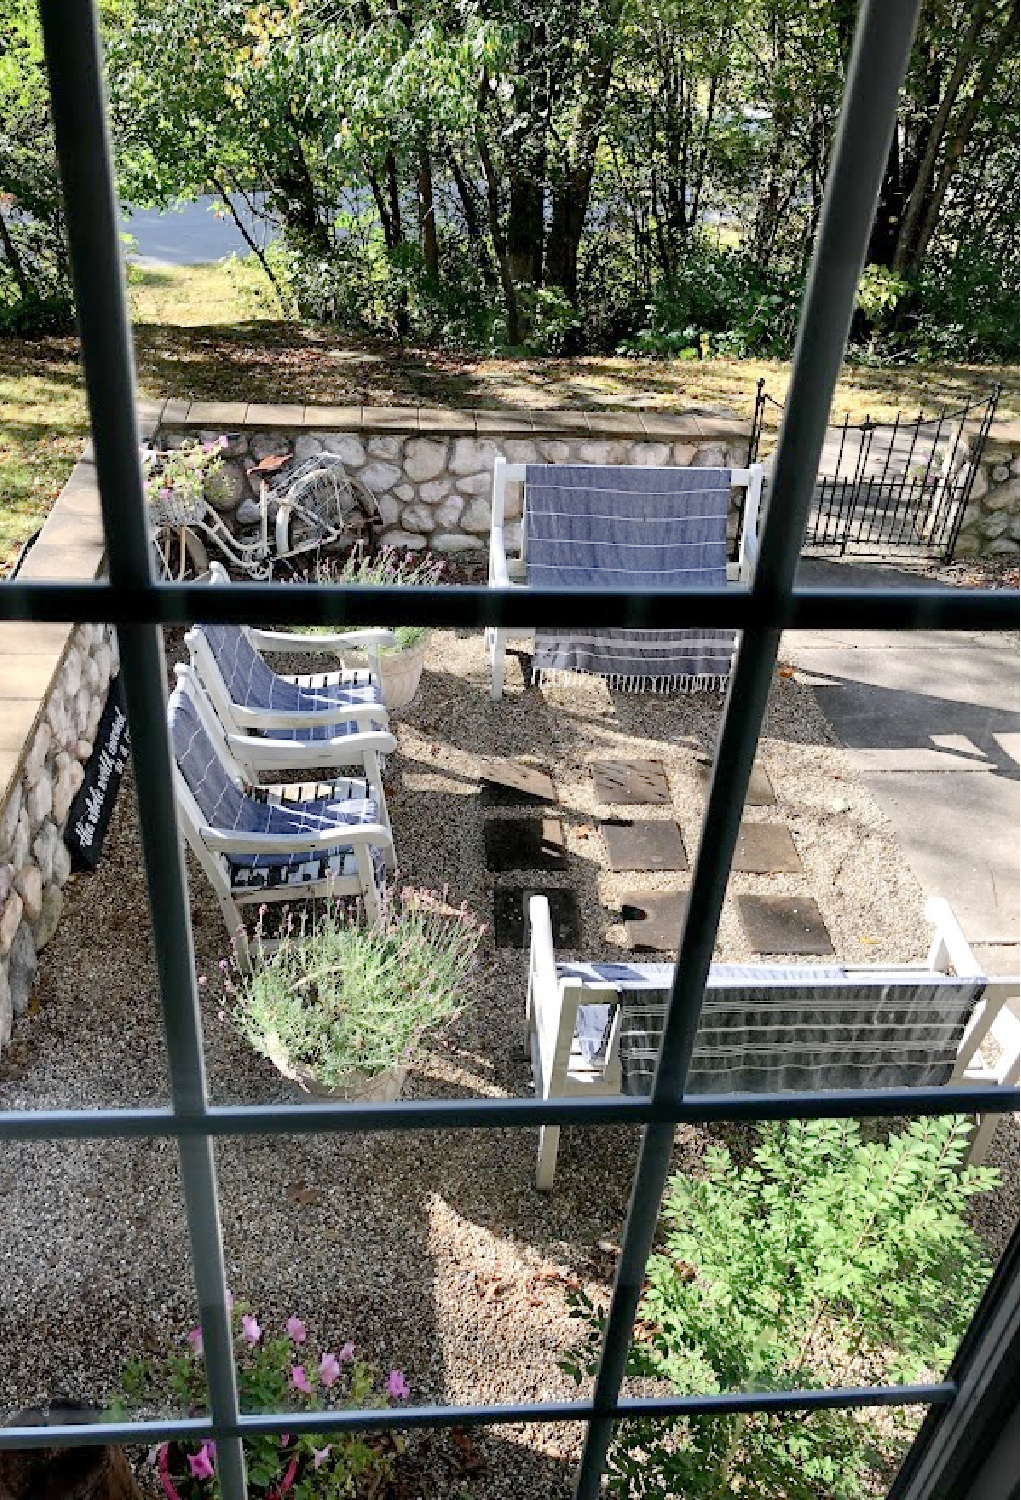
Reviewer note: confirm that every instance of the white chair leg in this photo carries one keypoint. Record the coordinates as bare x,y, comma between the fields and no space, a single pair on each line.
546,1164
374,776
981,1140
499,658
367,879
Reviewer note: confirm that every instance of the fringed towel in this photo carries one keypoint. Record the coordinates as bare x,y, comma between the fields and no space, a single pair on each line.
591,527
775,1028
853,1033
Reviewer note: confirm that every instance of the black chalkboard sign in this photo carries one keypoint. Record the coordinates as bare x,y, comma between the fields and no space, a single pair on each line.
89,815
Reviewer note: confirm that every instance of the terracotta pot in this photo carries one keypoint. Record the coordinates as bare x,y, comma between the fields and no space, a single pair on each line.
367,1088
167,1483
400,673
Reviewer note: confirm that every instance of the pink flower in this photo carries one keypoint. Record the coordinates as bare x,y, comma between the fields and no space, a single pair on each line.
347,1353
329,1369
195,1340
320,1455
285,1438
201,1463
296,1330
250,1328
397,1386
300,1380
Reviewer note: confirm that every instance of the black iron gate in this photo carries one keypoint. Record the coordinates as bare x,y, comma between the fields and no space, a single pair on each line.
901,485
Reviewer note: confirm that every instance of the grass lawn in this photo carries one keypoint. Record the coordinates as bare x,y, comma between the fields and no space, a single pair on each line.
215,331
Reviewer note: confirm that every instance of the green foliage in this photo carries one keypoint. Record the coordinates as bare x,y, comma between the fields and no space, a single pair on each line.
274,1374
720,302
879,291
826,1261
334,996
35,285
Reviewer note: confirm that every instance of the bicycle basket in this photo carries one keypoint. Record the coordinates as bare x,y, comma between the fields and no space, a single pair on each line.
174,508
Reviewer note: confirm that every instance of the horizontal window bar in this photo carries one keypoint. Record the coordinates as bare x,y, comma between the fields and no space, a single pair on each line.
740,608
937,1394
481,1114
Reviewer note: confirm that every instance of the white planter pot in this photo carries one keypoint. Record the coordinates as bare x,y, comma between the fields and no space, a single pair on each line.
367,1088
400,673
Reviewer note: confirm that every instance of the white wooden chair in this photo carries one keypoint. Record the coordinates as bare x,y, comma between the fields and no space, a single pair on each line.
270,844
274,723
508,567
577,1027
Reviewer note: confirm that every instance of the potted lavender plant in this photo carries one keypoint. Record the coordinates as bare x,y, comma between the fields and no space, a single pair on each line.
340,1009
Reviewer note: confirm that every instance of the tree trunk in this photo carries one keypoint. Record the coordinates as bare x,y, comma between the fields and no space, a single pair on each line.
921,186
427,217
958,144
14,260
524,228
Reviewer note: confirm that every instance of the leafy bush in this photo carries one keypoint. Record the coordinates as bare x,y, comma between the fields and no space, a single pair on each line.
721,303
827,1261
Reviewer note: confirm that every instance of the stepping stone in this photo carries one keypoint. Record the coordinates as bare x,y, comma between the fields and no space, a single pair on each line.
766,849
524,844
646,844
784,924
510,903
511,783
760,788
630,782
654,919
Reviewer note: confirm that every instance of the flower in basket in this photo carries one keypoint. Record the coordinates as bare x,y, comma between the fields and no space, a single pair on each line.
276,1372
339,1003
187,474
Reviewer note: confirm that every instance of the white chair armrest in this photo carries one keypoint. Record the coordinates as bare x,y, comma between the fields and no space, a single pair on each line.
252,750
296,843
309,718
949,944
269,641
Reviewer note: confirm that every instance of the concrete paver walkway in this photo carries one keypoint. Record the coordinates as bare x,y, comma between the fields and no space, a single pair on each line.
931,722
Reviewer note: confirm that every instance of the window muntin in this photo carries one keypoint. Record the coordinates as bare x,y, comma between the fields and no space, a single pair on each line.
877,66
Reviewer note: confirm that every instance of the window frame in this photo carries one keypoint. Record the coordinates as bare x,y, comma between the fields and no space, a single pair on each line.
139,606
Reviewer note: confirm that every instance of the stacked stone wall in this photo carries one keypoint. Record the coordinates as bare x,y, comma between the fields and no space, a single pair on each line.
34,860
433,489
991,526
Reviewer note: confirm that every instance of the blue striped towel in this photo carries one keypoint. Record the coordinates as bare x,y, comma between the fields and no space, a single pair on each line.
253,684
776,1028
591,527
229,809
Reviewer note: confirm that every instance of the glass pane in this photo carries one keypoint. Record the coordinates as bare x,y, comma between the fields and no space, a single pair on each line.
430,1255
818,1254
87,1028
99,1297
843,1455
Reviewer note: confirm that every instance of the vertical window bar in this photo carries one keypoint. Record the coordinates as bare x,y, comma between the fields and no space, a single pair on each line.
876,70
73,59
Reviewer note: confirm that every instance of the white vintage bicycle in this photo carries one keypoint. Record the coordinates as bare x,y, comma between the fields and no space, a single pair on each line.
317,507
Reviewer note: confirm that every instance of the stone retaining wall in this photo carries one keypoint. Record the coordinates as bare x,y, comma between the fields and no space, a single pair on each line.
431,471
991,525
54,681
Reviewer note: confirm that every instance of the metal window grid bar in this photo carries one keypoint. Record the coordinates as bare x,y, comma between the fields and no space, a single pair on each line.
139,606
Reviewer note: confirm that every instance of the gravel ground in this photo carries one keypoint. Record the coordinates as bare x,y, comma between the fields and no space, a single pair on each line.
434,1253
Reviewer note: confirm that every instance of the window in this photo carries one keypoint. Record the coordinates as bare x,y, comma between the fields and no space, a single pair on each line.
139,607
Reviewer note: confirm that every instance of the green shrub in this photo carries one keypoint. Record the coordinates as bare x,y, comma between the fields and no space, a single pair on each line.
826,1261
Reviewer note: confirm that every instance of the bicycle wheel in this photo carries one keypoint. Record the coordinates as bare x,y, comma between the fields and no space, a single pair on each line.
180,553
